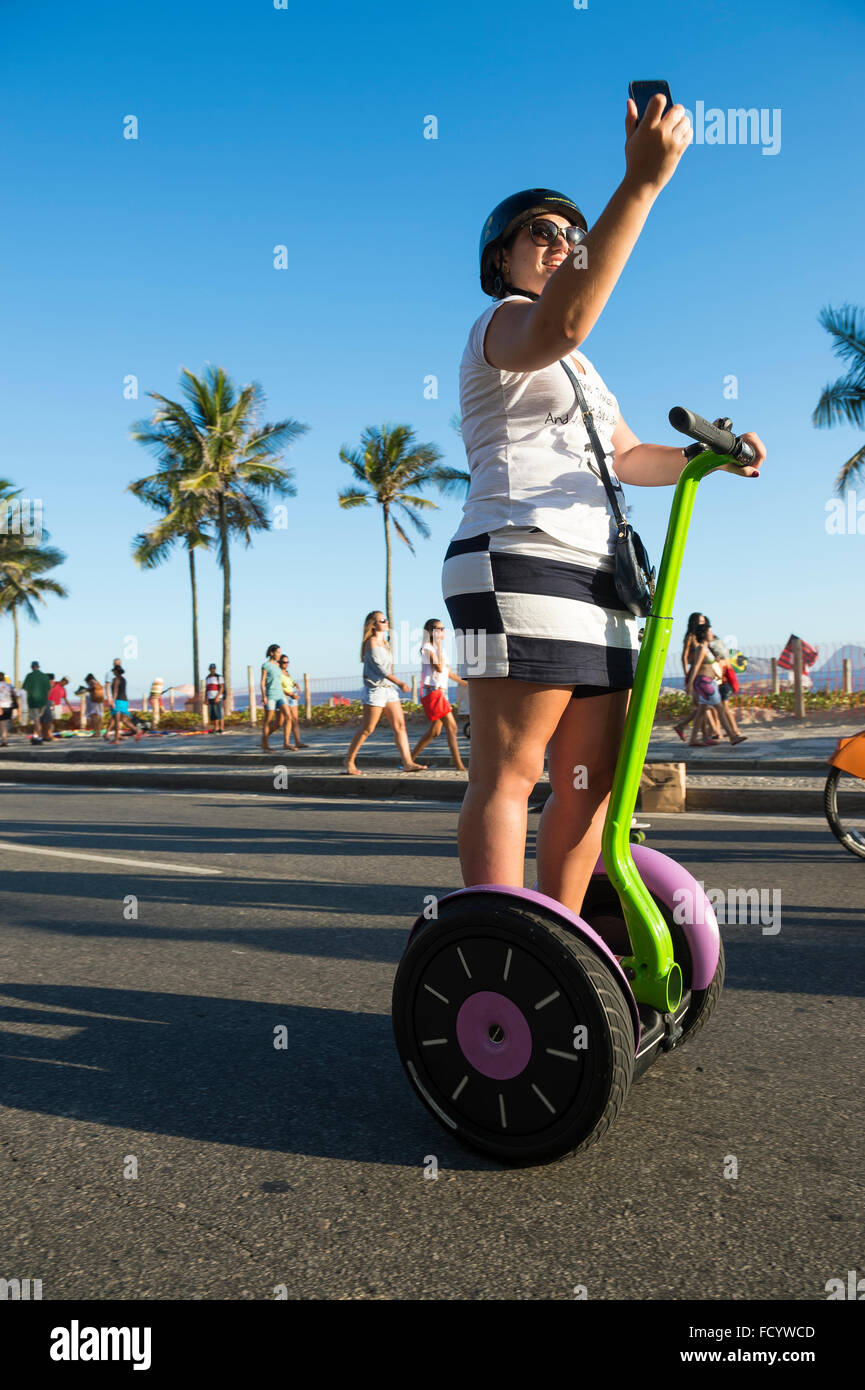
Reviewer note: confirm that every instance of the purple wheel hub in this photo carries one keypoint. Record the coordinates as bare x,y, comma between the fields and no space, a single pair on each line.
494,1035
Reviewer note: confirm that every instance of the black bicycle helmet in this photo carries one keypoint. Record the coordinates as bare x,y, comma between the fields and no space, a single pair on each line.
501,222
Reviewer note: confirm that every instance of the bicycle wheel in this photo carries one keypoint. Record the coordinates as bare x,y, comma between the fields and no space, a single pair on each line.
844,804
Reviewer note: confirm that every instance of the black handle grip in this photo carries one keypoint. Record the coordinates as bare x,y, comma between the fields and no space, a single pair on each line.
720,441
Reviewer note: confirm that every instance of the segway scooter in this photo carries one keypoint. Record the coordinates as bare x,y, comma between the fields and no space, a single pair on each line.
521,1025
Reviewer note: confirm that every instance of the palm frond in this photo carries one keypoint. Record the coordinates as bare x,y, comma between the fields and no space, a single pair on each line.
842,401
847,327
853,471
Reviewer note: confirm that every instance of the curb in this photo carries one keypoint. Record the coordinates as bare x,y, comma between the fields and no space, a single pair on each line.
747,800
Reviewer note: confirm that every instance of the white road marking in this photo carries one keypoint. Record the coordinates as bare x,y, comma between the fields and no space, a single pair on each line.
508,962
463,959
433,1042
460,1086
106,858
542,1003
568,1056
502,1111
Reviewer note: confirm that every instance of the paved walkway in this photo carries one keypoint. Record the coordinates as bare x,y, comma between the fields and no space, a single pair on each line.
781,769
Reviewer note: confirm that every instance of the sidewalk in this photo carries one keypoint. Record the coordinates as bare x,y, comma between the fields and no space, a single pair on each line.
782,770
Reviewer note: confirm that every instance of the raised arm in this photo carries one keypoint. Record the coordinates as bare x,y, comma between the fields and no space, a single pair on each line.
526,337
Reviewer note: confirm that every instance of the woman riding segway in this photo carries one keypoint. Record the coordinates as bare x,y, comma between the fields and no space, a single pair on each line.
550,652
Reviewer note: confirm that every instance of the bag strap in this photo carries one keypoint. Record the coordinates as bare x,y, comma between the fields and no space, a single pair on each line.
598,448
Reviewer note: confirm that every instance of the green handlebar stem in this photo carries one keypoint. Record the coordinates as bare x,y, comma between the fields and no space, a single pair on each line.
655,977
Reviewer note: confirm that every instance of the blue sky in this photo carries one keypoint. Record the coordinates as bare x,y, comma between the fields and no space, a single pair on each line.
304,127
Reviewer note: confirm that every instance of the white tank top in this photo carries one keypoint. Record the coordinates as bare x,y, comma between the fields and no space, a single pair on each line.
431,679
529,453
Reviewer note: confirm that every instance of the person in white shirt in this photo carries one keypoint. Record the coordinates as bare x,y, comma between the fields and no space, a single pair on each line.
528,579
435,676
8,702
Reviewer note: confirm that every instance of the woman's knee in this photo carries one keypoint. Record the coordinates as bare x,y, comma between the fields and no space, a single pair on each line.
516,777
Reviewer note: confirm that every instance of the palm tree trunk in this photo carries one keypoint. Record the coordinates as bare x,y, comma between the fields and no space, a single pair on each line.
226,603
387,593
196,679
16,677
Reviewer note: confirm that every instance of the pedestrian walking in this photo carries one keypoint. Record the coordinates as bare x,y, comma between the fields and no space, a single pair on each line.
8,705
156,691
214,692
272,694
119,706
729,683
704,676
36,686
94,704
710,717
291,717
56,700
530,571
380,693
435,676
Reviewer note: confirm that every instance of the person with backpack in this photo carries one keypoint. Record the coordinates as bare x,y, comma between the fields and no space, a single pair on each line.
95,704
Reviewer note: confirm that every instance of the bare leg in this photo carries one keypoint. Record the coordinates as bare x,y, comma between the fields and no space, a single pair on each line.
432,731
512,722
453,745
396,719
729,721
589,736
697,731
371,716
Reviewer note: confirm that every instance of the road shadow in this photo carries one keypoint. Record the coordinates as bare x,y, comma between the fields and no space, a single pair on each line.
207,1069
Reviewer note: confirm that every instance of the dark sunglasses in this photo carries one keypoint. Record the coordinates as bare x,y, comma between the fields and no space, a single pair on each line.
546,233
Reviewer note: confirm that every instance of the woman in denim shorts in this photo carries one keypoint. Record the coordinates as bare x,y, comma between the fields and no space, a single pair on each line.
380,693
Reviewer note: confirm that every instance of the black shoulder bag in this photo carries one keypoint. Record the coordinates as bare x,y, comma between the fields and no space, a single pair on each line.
634,573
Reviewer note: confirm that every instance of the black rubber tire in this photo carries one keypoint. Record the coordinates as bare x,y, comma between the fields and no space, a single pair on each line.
603,901
588,991
830,806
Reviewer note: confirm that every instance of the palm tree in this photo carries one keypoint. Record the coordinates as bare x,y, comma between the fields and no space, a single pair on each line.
844,400
183,520
391,467
23,585
230,464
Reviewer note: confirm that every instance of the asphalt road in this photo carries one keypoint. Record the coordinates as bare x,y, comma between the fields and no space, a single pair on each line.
147,1042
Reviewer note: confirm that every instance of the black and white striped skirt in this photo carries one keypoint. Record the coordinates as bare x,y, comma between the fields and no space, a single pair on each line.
525,605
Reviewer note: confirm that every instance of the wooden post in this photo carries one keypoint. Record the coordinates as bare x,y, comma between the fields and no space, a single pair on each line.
203,706
253,711
848,675
306,696
414,689
798,692
171,699
776,684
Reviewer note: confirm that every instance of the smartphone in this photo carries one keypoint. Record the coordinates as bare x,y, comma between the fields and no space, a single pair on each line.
642,93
